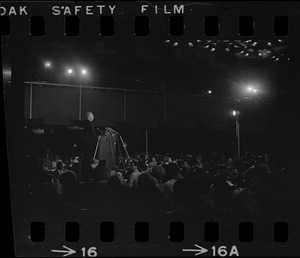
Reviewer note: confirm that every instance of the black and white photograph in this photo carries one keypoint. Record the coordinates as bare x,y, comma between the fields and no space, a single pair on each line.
152,128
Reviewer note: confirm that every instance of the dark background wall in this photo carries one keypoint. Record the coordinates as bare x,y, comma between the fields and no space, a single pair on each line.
60,106
182,124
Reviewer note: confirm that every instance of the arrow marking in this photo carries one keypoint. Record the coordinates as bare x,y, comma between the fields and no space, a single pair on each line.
67,252
199,251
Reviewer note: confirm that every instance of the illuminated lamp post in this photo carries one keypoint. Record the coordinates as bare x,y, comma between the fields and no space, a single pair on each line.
237,131
84,74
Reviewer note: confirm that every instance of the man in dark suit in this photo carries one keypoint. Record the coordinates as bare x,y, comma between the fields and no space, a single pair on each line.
90,140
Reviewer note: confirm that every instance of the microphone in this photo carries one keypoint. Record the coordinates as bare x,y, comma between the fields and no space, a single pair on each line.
111,130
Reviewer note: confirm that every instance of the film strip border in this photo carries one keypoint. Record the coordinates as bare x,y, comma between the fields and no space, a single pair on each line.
211,26
145,19
246,231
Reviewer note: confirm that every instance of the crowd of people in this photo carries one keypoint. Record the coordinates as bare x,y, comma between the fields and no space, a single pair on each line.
181,186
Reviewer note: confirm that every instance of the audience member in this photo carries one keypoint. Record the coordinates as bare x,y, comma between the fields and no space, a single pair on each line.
172,175
170,184
133,178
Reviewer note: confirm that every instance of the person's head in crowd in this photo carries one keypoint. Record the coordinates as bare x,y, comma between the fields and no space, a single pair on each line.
151,164
119,175
181,192
170,158
235,173
186,193
165,158
121,178
89,116
266,158
172,171
199,159
158,173
229,161
115,182
59,165
47,156
68,179
147,183
220,183
189,158
186,163
94,163
133,166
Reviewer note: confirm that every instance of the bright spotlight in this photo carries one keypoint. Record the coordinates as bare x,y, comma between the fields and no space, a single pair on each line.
83,71
251,89
235,113
6,74
47,64
70,71
209,92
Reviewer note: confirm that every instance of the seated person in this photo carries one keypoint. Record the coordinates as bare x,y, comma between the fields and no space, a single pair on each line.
172,174
66,182
92,170
121,163
74,165
59,169
133,178
198,168
149,198
55,160
47,163
158,173
97,170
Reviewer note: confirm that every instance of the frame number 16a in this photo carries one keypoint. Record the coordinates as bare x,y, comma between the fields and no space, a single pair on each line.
216,251
223,251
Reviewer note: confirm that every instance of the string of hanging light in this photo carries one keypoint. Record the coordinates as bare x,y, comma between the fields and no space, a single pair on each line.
260,49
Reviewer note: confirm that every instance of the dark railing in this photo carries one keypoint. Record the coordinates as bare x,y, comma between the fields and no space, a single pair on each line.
190,108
